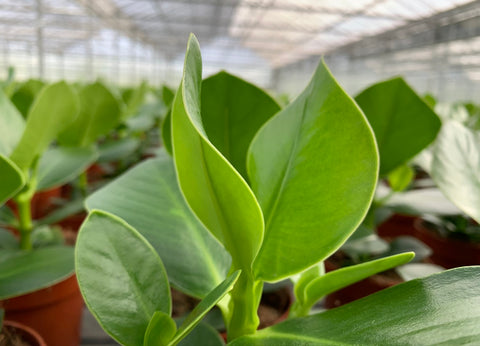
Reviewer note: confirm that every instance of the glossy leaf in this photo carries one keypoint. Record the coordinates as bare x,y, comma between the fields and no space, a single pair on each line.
313,168
456,167
121,277
161,329
442,309
99,114
343,277
118,149
148,198
54,109
212,299
27,271
12,179
24,96
217,194
12,125
61,165
232,112
403,123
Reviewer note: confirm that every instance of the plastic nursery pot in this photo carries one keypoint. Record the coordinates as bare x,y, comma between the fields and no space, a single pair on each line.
359,289
397,225
447,252
15,333
54,312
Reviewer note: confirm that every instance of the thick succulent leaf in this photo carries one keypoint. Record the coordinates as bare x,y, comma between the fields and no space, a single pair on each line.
61,165
121,277
442,309
161,329
53,110
12,125
24,96
217,193
27,271
99,114
403,123
12,179
232,112
456,167
194,317
118,149
313,168
340,278
148,198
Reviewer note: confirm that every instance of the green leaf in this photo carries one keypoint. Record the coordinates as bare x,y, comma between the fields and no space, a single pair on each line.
403,123
232,112
12,179
161,329
121,277
8,240
167,95
217,194
401,177
167,132
204,332
133,99
148,198
456,167
99,114
12,125
442,309
24,96
53,110
313,168
343,277
194,318
68,209
61,165
27,271
117,149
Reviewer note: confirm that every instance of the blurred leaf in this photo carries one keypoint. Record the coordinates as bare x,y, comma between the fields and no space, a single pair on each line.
456,167
133,99
54,109
167,132
99,114
117,149
24,96
61,165
12,125
233,111
160,330
401,177
8,240
12,179
403,123
27,271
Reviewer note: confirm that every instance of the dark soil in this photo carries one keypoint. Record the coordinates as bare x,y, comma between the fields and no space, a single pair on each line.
9,337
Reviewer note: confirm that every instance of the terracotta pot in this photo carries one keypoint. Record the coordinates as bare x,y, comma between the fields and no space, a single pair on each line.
26,334
73,222
447,252
397,225
359,289
95,173
54,312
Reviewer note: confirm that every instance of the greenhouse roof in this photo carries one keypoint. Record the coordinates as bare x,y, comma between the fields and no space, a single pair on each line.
233,33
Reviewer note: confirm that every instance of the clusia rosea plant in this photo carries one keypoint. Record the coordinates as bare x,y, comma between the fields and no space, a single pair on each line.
224,226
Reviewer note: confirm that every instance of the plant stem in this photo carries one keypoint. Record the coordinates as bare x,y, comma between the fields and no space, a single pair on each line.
299,310
83,183
25,222
245,299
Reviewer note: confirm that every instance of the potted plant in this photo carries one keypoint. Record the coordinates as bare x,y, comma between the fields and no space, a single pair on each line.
36,272
300,204
14,333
